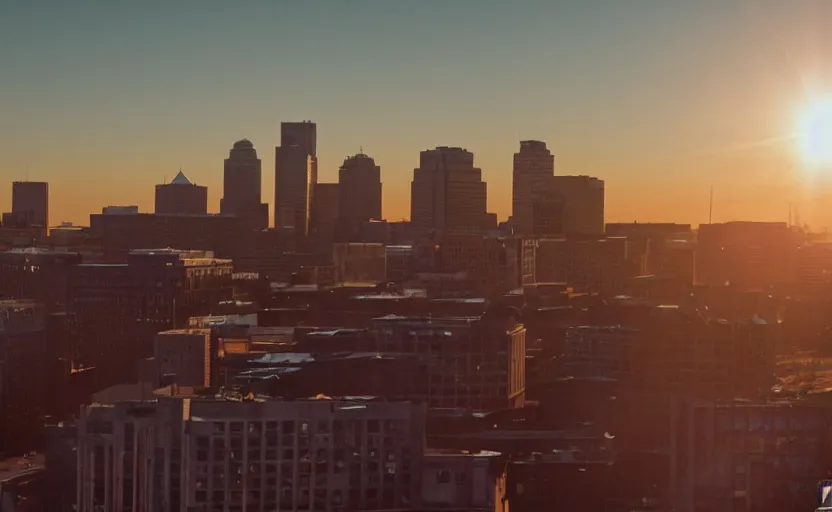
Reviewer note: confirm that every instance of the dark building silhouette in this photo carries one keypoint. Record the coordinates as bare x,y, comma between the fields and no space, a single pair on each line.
535,208
447,193
181,197
746,254
296,173
120,308
242,186
583,204
30,199
323,220
119,234
37,274
22,380
359,180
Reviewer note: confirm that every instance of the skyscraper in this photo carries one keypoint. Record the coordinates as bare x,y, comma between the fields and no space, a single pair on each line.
242,185
359,180
296,173
30,200
583,204
181,197
535,208
447,193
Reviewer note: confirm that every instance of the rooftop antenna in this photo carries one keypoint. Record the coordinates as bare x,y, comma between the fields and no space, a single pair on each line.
711,206
361,149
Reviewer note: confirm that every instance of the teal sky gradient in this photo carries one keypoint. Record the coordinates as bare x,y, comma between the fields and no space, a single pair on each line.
660,99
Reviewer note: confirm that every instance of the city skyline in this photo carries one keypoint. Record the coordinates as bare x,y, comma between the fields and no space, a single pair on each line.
665,102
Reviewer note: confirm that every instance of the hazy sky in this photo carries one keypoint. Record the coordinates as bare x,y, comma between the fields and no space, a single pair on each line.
659,98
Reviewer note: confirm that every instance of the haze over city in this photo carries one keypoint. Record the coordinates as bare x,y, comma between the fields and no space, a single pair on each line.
661,100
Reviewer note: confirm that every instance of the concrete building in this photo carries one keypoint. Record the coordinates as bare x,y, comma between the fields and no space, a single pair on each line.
359,262
181,197
535,209
462,480
296,173
447,193
30,199
120,308
192,451
359,181
583,204
242,186
474,363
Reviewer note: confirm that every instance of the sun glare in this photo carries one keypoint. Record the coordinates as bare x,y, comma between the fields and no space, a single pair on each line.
815,133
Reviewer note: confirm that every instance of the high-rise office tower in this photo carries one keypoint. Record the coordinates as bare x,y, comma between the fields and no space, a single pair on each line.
583,204
447,193
359,180
242,185
323,219
181,197
535,208
30,200
296,173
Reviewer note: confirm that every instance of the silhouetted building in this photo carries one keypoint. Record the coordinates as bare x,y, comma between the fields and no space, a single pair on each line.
474,363
23,377
359,262
120,210
359,182
37,274
31,199
181,197
447,193
121,307
311,454
324,218
814,268
493,265
666,249
583,204
747,254
181,357
242,186
119,234
535,209
595,265
296,173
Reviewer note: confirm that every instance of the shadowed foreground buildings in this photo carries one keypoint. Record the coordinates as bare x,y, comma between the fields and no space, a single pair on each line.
119,308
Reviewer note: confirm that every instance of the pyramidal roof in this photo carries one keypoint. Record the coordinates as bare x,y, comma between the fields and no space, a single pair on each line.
181,179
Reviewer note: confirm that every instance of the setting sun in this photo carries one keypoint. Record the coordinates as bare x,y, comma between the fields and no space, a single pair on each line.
815,132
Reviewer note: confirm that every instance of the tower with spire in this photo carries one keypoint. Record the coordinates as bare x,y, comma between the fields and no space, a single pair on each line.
181,197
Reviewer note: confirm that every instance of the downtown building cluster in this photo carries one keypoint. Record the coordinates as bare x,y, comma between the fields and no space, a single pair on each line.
316,356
